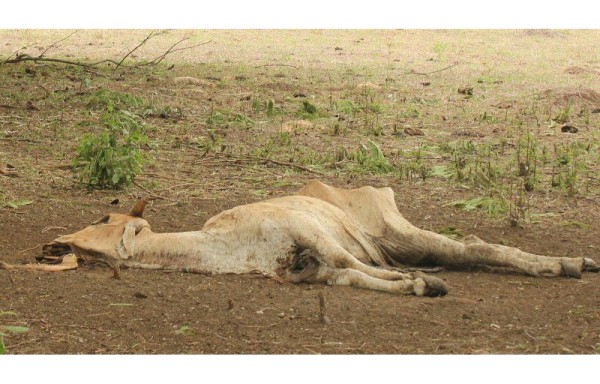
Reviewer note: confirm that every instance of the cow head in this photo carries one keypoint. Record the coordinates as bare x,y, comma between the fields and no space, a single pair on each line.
110,239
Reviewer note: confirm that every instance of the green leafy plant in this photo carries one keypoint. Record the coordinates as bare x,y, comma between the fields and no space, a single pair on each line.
112,158
491,205
17,203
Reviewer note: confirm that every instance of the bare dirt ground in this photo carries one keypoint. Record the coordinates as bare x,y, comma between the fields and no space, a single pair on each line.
218,144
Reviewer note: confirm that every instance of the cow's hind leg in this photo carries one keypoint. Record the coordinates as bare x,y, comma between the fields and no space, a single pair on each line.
441,250
580,264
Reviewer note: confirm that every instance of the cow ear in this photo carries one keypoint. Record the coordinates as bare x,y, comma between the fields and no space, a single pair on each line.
127,246
138,208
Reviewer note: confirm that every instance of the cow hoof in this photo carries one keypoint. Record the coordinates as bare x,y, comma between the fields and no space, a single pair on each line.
570,270
590,265
430,286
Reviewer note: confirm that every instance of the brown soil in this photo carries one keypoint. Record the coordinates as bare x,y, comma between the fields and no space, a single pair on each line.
85,311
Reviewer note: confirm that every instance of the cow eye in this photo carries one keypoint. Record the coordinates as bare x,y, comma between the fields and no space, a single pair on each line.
103,220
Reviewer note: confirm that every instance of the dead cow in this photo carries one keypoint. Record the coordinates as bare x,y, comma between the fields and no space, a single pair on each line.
323,234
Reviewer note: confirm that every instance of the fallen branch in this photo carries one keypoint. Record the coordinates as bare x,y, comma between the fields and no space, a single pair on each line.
171,50
56,42
25,57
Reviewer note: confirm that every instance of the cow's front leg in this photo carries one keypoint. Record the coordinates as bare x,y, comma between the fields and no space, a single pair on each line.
310,268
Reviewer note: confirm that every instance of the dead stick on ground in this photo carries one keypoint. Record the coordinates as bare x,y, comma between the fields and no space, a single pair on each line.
12,281
413,72
311,350
322,315
29,249
290,165
276,65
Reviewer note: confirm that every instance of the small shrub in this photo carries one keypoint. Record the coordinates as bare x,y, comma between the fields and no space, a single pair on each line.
112,159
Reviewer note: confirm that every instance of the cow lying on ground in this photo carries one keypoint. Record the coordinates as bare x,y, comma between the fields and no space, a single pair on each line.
323,234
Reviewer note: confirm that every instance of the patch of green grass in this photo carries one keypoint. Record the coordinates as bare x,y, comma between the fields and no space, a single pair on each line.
15,204
370,159
308,108
491,205
226,119
344,106
108,99
576,224
442,171
184,330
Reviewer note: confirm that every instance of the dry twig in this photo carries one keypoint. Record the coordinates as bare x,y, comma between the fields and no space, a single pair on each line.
323,319
154,195
413,72
56,42
151,35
